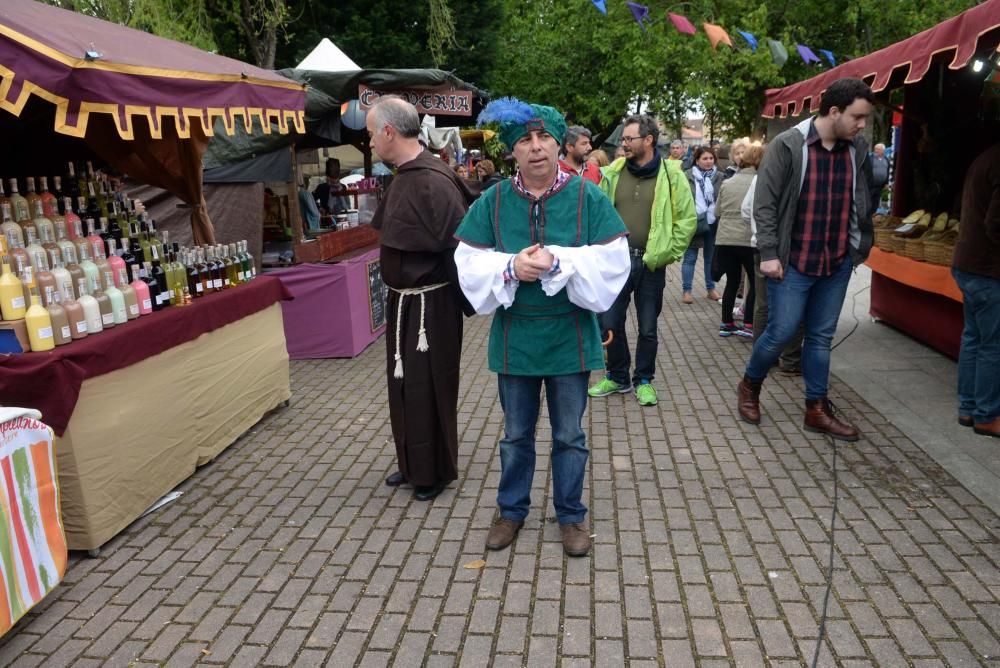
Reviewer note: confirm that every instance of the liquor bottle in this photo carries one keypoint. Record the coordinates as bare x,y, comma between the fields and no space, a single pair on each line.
215,280
41,221
94,240
91,309
18,204
251,263
115,261
81,206
40,336
195,288
61,331
72,185
128,257
114,224
11,231
50,205
7,212
141,287
144,240
162,297
63,240
18,259
168,271
74,224
136,264
155,298
32,247
58,193
74,313
104,232
103,304
30,195
227,265
100,260
75,271
118,309
93,208
240,261
11,293
47,238
204,274
178,279
59,271
128,292
90,269
44,280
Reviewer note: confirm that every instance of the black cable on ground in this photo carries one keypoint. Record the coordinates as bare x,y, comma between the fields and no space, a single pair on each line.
829,579
854,315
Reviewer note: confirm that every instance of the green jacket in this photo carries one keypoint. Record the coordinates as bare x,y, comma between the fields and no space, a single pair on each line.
672,220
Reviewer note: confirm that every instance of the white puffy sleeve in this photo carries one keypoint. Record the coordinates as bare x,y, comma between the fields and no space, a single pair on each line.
746,210
482,274
592,275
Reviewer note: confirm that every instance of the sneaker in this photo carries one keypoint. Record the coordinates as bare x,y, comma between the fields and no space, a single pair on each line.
646,394
606,387
727,329
745,332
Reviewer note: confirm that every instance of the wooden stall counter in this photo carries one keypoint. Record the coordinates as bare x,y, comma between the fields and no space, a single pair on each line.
139,407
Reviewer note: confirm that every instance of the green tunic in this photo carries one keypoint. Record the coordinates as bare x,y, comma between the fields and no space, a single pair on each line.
541,335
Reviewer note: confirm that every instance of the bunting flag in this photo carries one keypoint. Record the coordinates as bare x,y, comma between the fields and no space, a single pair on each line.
807,54
829,56
778,52
716,34
601,7
682,24
639,12
751,40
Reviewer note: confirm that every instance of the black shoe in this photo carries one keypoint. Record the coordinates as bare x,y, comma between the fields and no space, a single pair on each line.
427,493
395,480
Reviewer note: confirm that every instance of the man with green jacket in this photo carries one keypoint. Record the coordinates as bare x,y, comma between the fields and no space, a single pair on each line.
653,198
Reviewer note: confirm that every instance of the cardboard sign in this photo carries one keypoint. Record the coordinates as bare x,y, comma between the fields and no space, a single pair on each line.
440,101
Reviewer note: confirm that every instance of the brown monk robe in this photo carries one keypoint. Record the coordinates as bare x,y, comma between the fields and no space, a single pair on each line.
417,219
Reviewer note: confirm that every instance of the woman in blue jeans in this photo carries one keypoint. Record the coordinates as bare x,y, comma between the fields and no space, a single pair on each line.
705,181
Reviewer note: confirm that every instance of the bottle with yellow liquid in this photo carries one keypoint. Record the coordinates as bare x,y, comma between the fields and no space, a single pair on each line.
11,293
39,322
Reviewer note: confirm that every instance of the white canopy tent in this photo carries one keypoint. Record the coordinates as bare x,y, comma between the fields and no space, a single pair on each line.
327,57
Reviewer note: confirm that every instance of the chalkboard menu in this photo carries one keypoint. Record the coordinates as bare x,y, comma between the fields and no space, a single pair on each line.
377,294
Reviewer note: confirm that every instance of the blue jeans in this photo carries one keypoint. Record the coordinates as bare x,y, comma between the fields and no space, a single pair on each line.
691,257
520,398
979,359
815,301
648,289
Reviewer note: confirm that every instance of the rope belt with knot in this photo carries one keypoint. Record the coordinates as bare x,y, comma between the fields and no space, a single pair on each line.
422,345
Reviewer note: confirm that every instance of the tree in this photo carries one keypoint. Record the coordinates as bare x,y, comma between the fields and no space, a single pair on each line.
180,20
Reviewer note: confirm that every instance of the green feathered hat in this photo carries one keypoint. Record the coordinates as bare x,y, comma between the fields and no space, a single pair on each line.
518,118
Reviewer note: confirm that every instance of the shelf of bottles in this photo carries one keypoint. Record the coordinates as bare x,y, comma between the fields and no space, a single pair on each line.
83,258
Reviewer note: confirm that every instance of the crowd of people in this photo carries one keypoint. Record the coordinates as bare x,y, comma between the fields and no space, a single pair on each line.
557,253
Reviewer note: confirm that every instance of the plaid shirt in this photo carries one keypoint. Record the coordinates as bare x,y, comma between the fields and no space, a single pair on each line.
822,219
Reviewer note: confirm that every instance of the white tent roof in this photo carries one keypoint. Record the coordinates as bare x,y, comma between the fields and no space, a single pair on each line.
326,57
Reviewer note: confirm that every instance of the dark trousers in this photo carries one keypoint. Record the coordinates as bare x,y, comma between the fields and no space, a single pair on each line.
647,286
732,261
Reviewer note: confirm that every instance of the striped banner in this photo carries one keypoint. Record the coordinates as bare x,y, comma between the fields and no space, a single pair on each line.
32,541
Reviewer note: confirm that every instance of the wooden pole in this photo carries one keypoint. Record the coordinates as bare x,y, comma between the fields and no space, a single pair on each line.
293,201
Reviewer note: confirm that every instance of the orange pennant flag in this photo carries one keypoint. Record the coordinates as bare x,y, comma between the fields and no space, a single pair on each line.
717,34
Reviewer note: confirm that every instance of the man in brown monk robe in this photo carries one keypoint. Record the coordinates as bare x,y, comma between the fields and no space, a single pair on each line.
417,219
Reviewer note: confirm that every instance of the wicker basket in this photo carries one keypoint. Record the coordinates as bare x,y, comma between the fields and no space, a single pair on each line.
882,235
939,252
913,249
894,243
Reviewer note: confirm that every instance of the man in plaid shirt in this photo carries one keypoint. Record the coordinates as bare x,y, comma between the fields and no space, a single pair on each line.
809,239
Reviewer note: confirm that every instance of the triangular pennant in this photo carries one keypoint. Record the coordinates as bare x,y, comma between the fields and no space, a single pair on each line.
829,56
682,24
807,54
639,13
751,40
716,34
779,54
601,7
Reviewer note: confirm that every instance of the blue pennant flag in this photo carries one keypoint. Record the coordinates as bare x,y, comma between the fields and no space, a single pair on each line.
639,12
601,7
829,56
751,40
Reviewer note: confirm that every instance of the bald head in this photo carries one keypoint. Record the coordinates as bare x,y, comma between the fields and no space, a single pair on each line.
400,114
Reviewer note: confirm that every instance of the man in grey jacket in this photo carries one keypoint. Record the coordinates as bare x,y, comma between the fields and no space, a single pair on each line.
809,238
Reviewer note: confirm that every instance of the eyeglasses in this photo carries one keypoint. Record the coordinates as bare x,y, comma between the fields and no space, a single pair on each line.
629,140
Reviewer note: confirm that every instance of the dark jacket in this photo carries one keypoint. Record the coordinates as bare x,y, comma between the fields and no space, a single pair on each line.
322,194
978,247
779,183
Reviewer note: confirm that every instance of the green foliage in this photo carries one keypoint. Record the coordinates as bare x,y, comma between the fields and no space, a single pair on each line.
180,20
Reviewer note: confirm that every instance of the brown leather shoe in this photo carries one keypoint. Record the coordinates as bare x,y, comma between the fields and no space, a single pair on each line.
965,420
575,539
502,534
748,403
713,295
820,418
991,428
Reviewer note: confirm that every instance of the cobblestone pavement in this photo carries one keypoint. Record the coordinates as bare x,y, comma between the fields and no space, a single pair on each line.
710,541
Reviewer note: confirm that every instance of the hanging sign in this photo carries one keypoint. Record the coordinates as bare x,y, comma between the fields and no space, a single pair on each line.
440,101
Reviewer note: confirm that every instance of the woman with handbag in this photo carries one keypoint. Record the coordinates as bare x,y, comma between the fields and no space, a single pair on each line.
705,181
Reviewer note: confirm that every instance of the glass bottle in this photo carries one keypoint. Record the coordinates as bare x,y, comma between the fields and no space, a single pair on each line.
195,288
44,280
33,246
62,241
47,238
204,273
100,260
141,287
30,195
39,324
42,223
12,304
61,331
50,206
75,272
93,208
158,274
118,309
91,309
251,263
72,185
74,226
103,303
11,231
60,196
144,241
128,293
74,313
59,271
18,204
115,261
90,269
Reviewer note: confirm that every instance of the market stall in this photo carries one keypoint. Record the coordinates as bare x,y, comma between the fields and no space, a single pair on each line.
941,84
140,401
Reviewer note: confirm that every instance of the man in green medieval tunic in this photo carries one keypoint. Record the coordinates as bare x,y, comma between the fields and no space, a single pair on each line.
544,251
